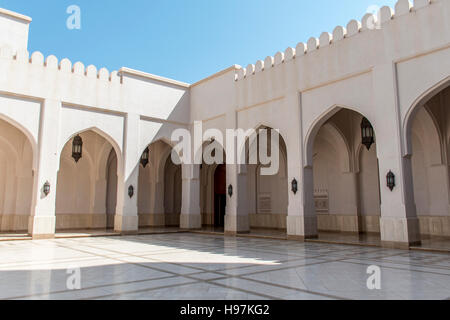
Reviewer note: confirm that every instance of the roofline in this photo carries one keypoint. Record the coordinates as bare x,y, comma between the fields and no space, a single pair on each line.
150,76
146,75
218,74
15,15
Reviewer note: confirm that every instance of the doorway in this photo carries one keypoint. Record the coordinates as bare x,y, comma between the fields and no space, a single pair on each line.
220,196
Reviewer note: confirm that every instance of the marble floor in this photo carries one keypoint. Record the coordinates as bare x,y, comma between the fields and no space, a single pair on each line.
180,266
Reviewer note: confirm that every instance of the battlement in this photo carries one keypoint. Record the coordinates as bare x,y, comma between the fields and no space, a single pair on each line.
369,23
65,65
13,45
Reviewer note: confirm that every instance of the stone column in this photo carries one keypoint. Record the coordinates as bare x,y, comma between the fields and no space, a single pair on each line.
191,217
236,213
236,217
301,220
42,222
126,219
399,223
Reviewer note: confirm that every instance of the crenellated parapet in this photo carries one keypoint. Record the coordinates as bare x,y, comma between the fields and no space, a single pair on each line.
369,23
65,65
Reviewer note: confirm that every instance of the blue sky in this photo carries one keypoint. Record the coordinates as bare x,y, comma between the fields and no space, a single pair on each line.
186,40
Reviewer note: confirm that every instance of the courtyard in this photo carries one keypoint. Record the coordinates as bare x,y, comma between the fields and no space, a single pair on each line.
188,266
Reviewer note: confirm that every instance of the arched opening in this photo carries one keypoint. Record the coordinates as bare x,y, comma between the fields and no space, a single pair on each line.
213,187
172,193
111,194
220,195
160,188
86,192
267,192
16,179
428,138
346,187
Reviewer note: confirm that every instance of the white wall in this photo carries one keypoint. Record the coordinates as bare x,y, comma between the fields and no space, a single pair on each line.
13,30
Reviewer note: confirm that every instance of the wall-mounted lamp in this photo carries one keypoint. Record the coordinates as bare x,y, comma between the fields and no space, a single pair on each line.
144,157
294,185
390,180
131,191
46,188
230,190
367,134
77,148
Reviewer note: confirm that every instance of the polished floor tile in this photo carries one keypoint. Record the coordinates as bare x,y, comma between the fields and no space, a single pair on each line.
178,266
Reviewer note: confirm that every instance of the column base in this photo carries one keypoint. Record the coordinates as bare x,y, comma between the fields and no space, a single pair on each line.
301,228
190,221
40,227
126,224
399,233
236,224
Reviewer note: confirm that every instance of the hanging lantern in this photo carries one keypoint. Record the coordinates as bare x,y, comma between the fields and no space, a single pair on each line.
131,191
46,188
144,157
368,137
77,148
230,190
294,186
390,180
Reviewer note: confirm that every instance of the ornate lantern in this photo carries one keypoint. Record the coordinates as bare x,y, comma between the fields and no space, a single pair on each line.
367,133
131,191
144,157
77,148
294,186
46,188
230,190
390,180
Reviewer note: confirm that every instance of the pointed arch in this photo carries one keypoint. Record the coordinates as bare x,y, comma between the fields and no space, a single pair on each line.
163,159
318,124
27,134
419,102
107,137
217,146
244,147
337,138
428,131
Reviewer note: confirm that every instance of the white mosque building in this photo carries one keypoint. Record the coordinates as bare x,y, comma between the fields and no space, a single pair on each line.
363,113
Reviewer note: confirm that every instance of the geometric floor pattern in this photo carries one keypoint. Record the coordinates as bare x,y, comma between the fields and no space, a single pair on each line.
184,266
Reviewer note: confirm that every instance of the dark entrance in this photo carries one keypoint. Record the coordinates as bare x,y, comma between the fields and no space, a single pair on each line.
220,196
